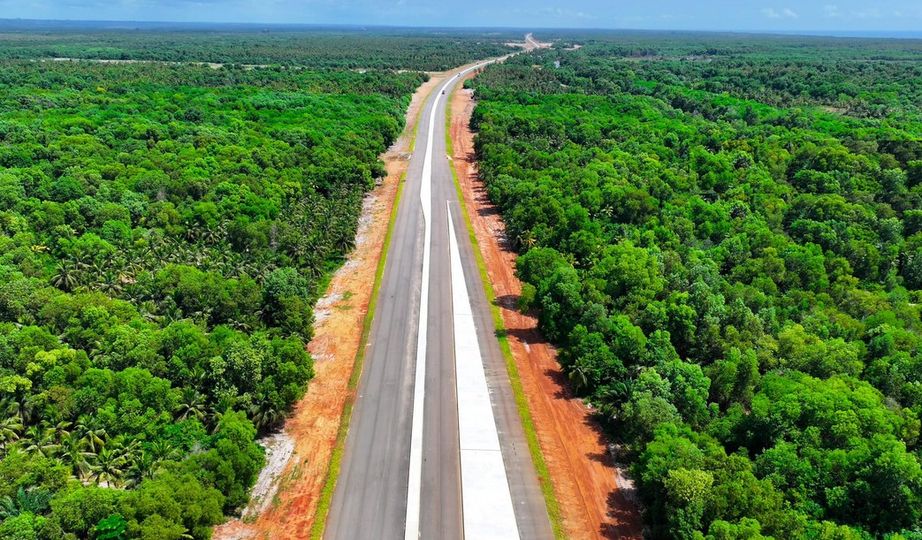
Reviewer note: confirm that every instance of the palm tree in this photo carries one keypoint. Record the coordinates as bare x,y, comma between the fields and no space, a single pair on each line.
110,283
60,430
92,437
162,450
23,408
8,508
579,378
141,468
41,441
526,240
10,428
107,468
66,276
192,405
265,414
171,312
6,406
73,453
213,235
148,309
213,420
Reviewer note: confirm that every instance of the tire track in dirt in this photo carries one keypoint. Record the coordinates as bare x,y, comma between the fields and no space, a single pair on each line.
596,500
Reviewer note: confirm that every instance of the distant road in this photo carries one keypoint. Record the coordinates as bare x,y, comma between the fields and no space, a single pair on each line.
530,42
435,412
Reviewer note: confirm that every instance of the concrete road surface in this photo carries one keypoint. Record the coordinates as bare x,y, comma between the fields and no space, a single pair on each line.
401,476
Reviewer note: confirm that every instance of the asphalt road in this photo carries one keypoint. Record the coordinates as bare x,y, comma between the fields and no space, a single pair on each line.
371,496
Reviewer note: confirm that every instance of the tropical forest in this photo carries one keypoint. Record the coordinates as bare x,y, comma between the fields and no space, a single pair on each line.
723,235
165,230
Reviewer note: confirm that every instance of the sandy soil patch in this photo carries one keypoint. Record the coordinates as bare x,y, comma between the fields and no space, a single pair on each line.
279,448
596,498
285,502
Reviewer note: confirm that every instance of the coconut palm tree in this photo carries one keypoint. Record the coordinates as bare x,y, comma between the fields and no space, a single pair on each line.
66,276
162,450
141,468
10,428
579,378
92,437
526,240
107,467
22,407
61,430
192,405
74,453
213,419
265,414
41,441
109,282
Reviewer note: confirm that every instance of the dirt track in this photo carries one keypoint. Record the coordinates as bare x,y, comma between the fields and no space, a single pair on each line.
337,332
594,497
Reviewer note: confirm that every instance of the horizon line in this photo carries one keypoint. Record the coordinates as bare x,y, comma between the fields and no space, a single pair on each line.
869,33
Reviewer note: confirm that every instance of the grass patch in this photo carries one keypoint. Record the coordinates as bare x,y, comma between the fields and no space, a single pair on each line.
528,424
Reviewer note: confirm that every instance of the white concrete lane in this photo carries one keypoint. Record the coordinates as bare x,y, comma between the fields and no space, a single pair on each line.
419,389
487,507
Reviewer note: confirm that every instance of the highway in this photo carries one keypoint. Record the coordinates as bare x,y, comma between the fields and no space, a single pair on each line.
435,448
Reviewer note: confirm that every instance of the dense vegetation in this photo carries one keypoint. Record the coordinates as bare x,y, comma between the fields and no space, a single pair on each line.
164,233
429,50
725,239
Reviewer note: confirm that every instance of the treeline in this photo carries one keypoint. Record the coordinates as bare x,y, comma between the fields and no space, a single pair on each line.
427,50
164,234
634,44
124,78
734,282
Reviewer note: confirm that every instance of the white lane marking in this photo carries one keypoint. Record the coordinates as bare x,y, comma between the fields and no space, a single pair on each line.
414,484
485,497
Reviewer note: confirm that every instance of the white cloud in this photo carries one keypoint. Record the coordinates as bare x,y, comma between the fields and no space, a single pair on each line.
772,13
870,13
566,13
831,11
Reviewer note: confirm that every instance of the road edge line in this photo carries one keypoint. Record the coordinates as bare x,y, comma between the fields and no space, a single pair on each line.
531,434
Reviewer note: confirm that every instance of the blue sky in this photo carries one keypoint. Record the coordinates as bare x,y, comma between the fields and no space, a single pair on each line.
741,15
